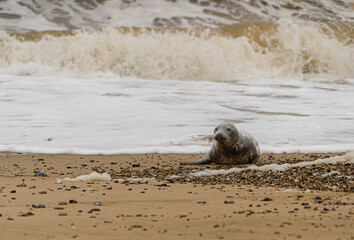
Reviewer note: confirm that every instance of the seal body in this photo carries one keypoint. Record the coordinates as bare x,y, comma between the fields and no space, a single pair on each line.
231,146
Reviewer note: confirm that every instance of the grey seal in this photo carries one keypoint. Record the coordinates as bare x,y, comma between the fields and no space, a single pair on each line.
231,146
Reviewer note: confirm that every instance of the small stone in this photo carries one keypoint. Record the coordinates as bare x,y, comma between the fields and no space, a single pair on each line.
21,185
136,165
63,214
10,219
318,199
229,201
13,191
43,192
94,210
41,174
72,201
38,205
63,203
75,187
267,199
58,181
97,203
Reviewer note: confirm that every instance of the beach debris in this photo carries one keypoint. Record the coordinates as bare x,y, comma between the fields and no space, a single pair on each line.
94,176
41,174
183,215
38,205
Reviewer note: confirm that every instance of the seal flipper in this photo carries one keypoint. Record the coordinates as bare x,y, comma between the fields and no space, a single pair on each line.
205,160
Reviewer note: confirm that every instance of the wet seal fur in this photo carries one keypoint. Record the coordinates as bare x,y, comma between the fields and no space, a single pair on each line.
231,146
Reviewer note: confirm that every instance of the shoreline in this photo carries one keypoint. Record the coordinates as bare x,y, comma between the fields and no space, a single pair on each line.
205,208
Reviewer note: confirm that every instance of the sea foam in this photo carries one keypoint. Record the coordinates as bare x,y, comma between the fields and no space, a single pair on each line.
348,158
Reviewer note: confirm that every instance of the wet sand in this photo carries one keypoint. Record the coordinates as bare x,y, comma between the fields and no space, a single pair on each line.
249,207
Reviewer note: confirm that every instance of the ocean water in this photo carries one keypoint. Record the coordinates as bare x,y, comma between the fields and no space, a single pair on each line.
106,77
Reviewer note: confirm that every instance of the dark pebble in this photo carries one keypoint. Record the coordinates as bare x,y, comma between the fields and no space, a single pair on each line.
94,210
229,202
136,165
13,191
267,199
318,199
72,201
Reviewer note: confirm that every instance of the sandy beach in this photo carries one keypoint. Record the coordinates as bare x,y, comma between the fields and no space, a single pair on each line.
33,207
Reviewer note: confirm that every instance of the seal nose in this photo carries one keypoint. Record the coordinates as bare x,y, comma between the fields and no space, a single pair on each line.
219,137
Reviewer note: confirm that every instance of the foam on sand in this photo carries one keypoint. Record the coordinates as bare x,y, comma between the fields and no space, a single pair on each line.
94,176
348,158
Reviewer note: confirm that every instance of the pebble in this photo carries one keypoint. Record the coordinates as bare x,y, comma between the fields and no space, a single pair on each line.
318,199
267,199
27,214
58,181
229,201
13,191
136,165
43,192
63,214
41,174
94,210
38,205
72,201
63,203
97,203
21,185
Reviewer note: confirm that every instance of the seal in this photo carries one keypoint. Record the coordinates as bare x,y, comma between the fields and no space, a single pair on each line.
231,146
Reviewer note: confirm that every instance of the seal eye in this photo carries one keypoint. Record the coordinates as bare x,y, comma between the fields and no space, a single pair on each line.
228,129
